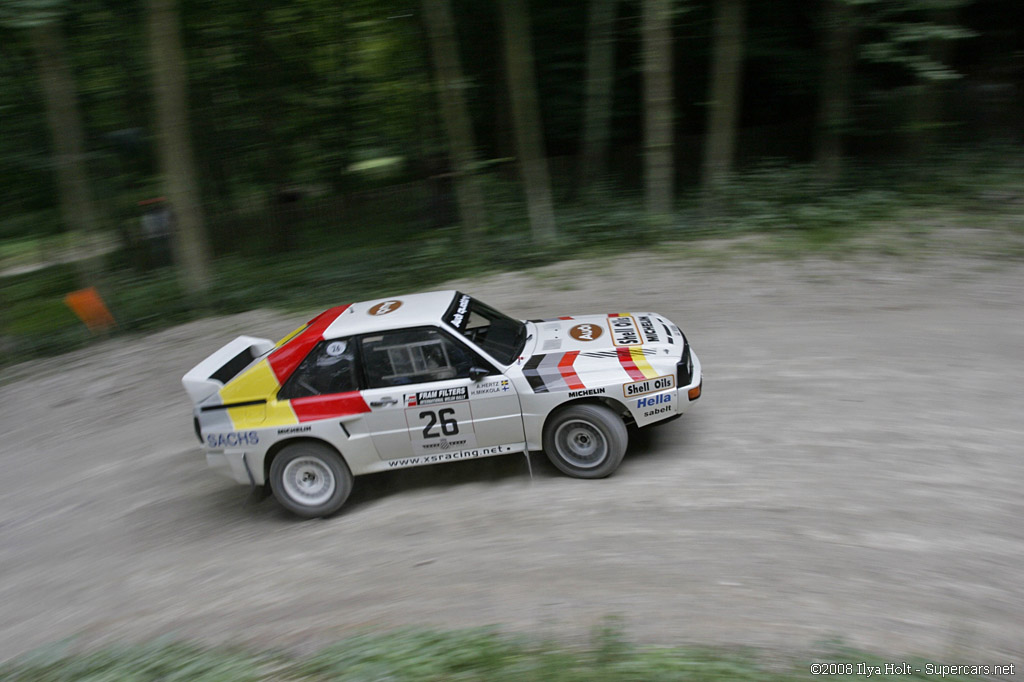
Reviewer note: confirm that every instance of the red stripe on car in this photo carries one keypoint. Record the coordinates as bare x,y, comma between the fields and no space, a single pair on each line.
315,407
568,373
626,360
285,359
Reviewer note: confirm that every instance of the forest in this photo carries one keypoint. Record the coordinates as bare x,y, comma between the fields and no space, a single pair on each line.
188,157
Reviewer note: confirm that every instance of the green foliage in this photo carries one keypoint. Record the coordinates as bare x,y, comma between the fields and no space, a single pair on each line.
417,655
363,259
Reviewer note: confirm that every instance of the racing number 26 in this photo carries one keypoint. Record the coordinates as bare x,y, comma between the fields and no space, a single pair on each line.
444,418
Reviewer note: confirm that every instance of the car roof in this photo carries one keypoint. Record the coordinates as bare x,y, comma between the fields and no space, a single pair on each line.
395,312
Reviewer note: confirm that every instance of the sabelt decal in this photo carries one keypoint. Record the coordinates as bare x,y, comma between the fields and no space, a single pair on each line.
384,307
553,372
637,388
440,395
458,316
656,405
624,331
586,332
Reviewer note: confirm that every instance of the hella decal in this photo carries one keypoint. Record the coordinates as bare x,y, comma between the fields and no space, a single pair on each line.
636,388
232,440
654,400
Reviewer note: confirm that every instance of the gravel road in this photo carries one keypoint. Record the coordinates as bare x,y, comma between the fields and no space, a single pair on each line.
853,472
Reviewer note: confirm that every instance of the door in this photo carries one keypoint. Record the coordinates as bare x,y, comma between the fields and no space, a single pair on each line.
424,404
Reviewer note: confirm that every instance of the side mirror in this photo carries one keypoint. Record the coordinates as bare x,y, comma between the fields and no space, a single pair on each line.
478,373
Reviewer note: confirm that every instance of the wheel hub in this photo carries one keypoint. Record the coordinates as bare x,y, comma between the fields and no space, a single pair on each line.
308,481
581,444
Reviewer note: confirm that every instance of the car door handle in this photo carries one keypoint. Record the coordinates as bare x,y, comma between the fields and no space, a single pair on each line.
388,400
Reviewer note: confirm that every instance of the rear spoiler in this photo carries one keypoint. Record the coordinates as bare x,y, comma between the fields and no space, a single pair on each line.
210,375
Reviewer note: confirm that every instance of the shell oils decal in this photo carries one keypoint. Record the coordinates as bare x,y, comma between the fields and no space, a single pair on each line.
624,330
638,388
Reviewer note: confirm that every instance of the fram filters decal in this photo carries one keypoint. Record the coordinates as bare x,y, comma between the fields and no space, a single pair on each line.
232,440
440,395
624,331
636,388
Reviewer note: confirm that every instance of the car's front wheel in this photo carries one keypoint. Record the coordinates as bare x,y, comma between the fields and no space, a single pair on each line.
585,441
310,479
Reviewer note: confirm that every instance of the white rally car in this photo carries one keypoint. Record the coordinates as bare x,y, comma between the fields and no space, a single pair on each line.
431,378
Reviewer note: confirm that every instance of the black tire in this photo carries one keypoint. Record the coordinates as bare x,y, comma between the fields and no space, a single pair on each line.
310,479
585,441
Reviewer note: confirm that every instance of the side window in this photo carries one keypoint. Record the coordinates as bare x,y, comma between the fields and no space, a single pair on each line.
413,356
329,368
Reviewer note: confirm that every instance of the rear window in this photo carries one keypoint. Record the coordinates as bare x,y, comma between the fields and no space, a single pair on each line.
329,368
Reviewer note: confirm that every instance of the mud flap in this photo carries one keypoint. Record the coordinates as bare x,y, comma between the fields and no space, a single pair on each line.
257,493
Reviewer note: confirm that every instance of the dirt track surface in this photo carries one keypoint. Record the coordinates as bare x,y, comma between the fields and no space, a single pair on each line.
853,471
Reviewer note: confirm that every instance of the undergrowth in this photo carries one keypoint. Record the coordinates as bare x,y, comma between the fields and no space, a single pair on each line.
783,205
417,655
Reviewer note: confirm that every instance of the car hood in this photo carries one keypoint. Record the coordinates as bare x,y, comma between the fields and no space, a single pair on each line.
596,333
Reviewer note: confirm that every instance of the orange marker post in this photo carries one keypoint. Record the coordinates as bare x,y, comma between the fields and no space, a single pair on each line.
90,309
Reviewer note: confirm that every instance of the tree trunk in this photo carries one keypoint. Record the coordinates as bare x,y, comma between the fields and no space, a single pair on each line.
659,166
457,124
927,105
834,102
62,116
598,104
723,107
174,148
533,164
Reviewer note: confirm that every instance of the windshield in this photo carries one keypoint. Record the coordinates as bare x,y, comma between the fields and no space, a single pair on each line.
498,334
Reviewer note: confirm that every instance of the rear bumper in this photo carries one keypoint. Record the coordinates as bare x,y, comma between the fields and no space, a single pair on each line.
229,464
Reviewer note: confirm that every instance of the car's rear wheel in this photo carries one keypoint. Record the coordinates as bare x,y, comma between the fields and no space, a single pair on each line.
310,479
585,441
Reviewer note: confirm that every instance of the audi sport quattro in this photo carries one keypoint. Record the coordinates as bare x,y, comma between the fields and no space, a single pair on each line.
431,378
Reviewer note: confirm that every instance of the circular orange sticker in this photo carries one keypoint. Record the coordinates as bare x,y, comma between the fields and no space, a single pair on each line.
585,332
385,307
